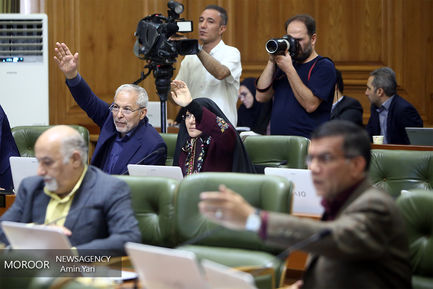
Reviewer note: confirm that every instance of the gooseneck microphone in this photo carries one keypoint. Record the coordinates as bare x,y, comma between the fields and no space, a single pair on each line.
298,245
301,244
71,212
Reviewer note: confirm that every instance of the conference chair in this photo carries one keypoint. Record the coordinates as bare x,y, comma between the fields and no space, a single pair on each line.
416,208
396,170
170,140
231,248
26,136
153,205
282,151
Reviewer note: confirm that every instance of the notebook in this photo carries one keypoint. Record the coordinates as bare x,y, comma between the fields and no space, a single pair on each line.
305,198
22,167
29,236
422,136
172,172
163,268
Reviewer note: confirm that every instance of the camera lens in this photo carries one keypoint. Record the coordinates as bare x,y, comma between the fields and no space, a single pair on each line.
275,46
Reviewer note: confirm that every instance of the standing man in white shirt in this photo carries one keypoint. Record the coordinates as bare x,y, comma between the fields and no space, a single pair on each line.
215,71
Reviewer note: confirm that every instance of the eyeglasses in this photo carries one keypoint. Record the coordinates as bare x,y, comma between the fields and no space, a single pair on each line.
324,159
125,110
187,116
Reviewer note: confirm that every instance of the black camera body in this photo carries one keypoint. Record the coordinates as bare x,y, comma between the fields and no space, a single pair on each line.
153,40
154,45
278,46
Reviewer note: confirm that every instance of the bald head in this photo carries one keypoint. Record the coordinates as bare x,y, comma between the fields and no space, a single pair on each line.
62,153
66,139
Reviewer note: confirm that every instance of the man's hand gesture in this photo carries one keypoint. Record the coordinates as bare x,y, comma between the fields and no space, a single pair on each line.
67,62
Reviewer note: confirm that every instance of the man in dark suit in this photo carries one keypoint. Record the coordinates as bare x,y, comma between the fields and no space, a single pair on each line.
8,148
93,208
345,107
361,239
126,136
390,114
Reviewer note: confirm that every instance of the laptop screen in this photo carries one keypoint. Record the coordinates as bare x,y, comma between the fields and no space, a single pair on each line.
22,167
420,135
172,172
305,198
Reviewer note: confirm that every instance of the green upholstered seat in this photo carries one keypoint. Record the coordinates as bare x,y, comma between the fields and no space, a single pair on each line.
281,151
26,136
232,248
170,140
396,170
153,205
416,207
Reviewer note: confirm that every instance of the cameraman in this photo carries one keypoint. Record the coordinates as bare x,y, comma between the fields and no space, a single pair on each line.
215,71
302,87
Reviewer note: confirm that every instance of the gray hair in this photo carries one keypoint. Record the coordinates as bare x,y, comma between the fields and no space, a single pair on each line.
384,78
72,143
142,98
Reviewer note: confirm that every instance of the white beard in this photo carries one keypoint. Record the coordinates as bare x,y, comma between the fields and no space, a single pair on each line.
51,185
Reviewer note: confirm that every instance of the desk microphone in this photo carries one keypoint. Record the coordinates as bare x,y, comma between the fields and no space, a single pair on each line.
298,245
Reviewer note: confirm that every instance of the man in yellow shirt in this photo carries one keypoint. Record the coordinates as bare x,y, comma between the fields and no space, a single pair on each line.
94,208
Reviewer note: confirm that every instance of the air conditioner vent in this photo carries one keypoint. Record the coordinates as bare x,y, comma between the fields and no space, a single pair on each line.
21,37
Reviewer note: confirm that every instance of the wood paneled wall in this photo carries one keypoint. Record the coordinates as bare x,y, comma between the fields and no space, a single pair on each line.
359,35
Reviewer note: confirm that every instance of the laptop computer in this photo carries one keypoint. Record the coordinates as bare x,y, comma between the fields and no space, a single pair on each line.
172,172
223,277
22,167
154,113
305,198
422,136
163,268
29,236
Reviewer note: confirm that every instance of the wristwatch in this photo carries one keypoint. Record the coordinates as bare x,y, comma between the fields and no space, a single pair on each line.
254,221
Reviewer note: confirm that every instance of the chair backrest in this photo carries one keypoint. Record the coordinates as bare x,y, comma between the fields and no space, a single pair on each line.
282,151
265,192
26,136
416,207
170,140
153,205
396,170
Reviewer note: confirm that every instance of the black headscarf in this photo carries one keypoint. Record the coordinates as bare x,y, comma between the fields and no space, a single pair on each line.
241,161
257,117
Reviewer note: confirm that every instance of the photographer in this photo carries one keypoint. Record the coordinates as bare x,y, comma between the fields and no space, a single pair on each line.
302,86
215,71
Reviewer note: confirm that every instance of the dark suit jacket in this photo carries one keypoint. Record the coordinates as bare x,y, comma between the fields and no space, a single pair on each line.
367,247
145,147
401,114
8,148
348,109
100,217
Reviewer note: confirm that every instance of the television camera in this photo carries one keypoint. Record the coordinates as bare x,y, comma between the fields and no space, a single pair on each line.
157,45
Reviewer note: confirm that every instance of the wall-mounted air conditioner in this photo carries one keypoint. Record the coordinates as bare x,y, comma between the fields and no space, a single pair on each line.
24,68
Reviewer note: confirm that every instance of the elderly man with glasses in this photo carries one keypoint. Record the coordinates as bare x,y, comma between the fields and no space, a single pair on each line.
126,136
